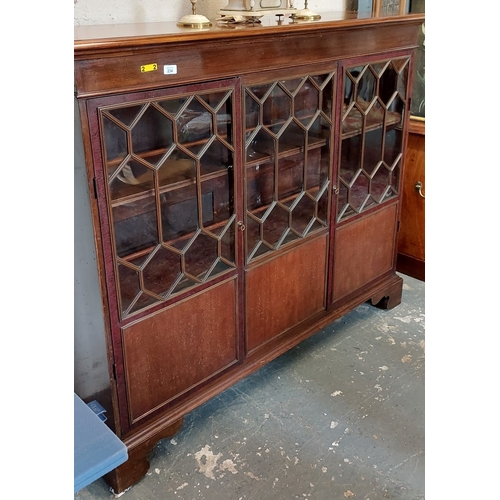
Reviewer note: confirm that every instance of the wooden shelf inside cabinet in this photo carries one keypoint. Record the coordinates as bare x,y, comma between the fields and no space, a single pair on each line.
285,150
173,173
352,124
287,201
129,193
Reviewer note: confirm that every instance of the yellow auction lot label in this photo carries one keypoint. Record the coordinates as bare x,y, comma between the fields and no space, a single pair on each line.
149,67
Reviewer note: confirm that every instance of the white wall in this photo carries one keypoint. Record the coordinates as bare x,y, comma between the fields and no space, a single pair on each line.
90,358
140,11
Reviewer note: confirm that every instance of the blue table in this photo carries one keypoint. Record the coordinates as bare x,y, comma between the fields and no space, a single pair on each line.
97,449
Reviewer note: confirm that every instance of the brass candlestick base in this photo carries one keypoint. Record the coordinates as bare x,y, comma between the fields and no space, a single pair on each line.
194,20
307,14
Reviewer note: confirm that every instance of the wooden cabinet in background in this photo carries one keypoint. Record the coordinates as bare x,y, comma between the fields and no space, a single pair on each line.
411,243
245,189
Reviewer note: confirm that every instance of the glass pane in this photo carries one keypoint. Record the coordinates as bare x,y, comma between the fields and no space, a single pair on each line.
306,103
277,109
214,99
381,181
290,178
260,91
217,201
373,149
161,271
260,145
224,123
115,143
135,226
293,85
129,285
217,157
275,225
126,115
318,161
393,146
322,214
292,137
303,214
195,126
179,213
173,105
260,185
360,192
227,243
151,135
252,235
251,113
131,178
201,255
176,169
350,159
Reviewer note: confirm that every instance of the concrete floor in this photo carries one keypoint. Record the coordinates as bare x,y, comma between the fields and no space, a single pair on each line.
339,416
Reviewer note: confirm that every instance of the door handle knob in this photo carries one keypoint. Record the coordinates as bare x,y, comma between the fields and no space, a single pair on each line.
418,188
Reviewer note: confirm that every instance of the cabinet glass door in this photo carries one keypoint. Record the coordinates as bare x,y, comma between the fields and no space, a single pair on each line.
375,101
288,127
168,163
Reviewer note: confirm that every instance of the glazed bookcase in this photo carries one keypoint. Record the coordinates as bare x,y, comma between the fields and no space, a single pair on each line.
240,201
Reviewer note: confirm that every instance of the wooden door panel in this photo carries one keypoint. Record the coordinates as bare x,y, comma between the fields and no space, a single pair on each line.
412,235
177,348
285,291
364,250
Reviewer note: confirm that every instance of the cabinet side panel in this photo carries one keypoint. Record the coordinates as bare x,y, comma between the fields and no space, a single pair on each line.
364,250
285,291
412,235
172,351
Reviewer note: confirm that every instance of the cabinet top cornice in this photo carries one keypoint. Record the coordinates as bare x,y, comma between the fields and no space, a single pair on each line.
93,39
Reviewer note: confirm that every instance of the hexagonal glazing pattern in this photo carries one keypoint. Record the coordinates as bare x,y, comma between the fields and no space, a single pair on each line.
170,185
375,103
288,127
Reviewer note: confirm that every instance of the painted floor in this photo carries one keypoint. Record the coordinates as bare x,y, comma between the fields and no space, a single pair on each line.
339,416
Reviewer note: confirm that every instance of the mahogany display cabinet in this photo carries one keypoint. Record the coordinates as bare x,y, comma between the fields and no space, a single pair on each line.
244,189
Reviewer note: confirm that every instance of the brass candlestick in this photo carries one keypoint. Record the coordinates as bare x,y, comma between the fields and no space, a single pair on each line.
194,20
